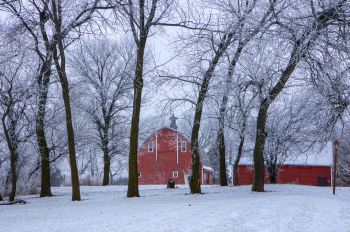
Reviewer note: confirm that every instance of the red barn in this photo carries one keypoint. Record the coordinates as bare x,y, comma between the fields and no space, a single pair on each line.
311,169
167,154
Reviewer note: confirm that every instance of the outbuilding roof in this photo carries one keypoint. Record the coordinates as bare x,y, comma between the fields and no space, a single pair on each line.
317,156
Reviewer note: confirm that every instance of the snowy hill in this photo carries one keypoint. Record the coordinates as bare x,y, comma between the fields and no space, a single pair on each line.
281,208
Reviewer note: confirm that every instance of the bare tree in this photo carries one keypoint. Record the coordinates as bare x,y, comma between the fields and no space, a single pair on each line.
106,67
13,99
34,27
142,16
238,116
244,36
293,128
65,23
235,34
302,41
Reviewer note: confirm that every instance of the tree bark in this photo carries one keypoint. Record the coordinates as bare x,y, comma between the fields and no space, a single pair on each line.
11,140
105,148
195,184
272,175
235,166
13,161
221,136
260,137
222,154
222,113
133,185
300,48
43,81
106,169
70,131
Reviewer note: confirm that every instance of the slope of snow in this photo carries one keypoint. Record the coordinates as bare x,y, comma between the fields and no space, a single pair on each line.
280,208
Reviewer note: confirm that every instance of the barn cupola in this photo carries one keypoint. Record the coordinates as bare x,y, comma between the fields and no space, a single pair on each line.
173,122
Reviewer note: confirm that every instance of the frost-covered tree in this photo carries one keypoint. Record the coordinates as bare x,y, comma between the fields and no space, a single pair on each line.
15,92
105,70
142,17
301,26
30,28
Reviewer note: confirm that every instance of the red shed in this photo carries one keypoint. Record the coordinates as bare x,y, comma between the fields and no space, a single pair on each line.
312,169
167,154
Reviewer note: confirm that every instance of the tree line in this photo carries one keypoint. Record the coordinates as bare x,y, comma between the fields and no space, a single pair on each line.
266,75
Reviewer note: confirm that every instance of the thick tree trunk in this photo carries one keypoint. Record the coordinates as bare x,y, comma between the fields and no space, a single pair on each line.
61,70
12,144
235,166
259,167
106,155
43,81
13,161
71,142
195,184
222,113
221,137
260,137
133,185
1,199
106,169
222,152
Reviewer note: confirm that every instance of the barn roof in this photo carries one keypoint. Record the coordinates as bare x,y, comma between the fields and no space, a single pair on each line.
164,128
318,156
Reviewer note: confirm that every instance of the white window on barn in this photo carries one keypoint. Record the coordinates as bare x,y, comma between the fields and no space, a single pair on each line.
183,146
175,174
139,174
150,146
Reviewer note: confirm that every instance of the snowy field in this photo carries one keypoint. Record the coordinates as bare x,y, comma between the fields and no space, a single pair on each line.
281,208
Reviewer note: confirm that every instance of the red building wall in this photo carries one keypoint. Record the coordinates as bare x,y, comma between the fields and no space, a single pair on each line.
157,167
291,174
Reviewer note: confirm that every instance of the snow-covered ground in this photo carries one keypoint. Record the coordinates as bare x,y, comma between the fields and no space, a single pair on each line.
280,208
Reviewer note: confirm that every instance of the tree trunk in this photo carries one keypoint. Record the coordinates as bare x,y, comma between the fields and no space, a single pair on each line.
61,70
43,81
195,184
235,166
106,169
13,161
272,176
221,143
12,144
71,142
221,137
273,171
222,113
105,149
133,184
1,199
259,167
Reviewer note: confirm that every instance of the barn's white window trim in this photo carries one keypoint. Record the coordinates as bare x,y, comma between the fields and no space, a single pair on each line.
175,174
183,146
150,146
139,174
